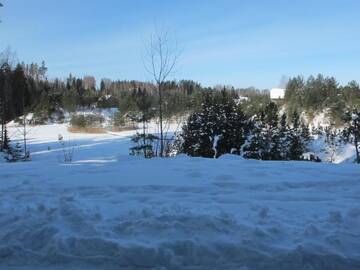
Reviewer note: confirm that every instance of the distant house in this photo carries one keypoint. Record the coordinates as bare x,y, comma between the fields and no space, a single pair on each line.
277,93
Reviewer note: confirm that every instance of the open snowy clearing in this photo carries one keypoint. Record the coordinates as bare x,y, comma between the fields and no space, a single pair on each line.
107,210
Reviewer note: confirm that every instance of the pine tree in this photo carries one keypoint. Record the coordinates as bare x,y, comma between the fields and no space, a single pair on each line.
295,121
305,133
254,148
143,142
5,92
231,127
14,154
296,147
200,130
265,140
6,141
284,138
273,151
299,138
218,128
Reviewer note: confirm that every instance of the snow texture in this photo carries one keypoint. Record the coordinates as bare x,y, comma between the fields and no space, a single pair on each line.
277,93
108,210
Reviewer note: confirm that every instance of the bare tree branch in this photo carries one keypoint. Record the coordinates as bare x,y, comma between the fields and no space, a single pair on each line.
160,60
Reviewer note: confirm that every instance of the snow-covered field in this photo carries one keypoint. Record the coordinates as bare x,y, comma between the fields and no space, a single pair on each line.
108,210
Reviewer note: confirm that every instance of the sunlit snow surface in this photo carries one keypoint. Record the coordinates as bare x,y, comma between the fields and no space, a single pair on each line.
107,210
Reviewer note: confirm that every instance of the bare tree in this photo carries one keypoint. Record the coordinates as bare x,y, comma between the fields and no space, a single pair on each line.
8,57
161,57
333,142
25,131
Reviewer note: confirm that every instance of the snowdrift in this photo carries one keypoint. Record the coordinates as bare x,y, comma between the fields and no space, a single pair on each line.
107,210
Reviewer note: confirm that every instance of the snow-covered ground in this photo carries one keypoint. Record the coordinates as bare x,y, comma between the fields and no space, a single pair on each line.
108,210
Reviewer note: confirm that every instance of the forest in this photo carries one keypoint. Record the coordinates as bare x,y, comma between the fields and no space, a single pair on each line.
220,120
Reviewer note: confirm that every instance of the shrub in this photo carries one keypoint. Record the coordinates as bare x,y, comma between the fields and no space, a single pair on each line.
85,121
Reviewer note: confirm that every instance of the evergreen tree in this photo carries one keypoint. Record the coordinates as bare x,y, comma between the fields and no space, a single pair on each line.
273,151
284,137
299,138
200,130
14,154
296,147
231,126
254,148
218,128
265,142
20,94
305,133
5,144
143,142
295,120
5,102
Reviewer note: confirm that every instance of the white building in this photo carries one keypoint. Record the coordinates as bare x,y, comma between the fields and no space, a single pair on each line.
277,93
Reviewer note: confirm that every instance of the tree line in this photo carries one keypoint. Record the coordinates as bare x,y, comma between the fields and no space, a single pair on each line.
246,113
318,94
221,127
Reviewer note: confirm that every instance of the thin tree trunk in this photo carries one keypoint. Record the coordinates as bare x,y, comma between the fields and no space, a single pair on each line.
2,136
144,138
2,124
357,149
25,145
161,121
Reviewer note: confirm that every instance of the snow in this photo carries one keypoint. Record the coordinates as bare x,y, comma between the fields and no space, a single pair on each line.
344,153
241,99
277,93
215,141
320,120
109,210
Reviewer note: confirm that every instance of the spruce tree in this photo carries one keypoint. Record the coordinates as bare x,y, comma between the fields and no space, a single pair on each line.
273,151
200,130
143,141
14,154
6,141
231,126
254,148
284,137
299,138
218,128
265,141
296,146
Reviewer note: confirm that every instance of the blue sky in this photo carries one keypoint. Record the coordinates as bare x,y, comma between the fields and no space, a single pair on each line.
243,43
